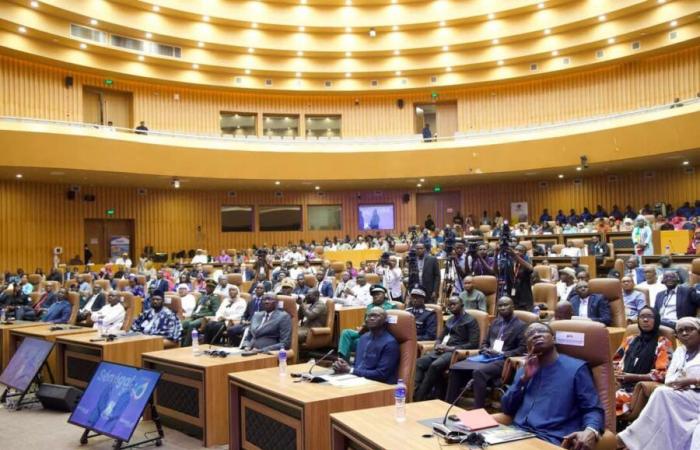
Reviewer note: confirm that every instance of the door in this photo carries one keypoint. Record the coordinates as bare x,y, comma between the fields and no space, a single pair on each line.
108,238
101,106
441,206
446,120
92,106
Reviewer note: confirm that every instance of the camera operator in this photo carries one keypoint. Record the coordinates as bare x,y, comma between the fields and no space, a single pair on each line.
392,277
461,267
518,277
480,263
429,272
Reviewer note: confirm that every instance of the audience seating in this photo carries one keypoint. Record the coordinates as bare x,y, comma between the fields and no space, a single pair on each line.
104,284
373,278
122,284
611,289
133,307
235,278
338,267
398,305
488,285
289,304
544,272
645,292
545,293
484,321
174,303
526,316
74,299
322,337
404,331
694,277
310,280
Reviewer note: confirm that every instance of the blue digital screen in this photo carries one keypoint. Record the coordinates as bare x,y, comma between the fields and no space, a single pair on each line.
375,217
114,400
25,363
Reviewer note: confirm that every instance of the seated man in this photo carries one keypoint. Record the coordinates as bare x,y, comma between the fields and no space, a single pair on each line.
93,304
652,282
17,304
357,293
461,332
634,300
348,338
553,395
47,299
231,310
207,305
343,288
676,301
270,329
324,286
506,338
566,284
598,249
113,314
234,333
187,300
159,321
472,297
377,356
426,322
61,309
300,289
312,313
591,306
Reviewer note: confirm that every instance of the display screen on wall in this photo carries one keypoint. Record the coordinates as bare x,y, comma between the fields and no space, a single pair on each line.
324,217
375,217
236,218
280,218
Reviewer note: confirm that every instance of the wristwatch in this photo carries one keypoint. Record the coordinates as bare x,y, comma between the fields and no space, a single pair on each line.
596,432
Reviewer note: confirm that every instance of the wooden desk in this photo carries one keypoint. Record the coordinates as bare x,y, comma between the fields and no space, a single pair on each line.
347,317
376,428
5,339
78,358
191,393
43,331
286,414
356,256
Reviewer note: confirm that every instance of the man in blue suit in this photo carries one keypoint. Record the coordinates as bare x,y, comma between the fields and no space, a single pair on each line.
60,310
676,301
325,287
591,306
377,356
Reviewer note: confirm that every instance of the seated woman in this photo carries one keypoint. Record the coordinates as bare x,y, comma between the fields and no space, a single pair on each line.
644,357
671,419
230,312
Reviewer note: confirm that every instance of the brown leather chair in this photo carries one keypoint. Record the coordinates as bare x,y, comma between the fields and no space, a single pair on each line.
609,261
489,286
600,363
34,279
544,272
611,289
695,272
231,252
74,299
373,278
401,247
484,321
104,284
485,229
526,316
545,293
437,309
289,304
54,284
122,284
398,305
310,280
133,306
404,331
235,278
322,337
141,280
338,267
318,251
174,303
85,277
557,248
579,243
620,266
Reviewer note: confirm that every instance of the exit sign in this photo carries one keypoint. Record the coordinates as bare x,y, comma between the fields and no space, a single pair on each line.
109,82
434,95
437,188
110,211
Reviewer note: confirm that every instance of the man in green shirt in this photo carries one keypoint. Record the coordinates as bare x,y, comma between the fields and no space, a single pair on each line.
348,337
207,306
472,297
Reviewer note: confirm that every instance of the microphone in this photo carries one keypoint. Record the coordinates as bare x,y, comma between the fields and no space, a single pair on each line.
309,376
441,429
217,335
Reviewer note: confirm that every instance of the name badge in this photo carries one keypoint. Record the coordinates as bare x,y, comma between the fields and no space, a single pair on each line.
498,345
512,292
445,339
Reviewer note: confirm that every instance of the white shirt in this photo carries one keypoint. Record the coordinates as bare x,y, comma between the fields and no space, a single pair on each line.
391,279
188,303
200,259
571,251
583,307
231,310
668,307
112,317
653,289
563,290
360,296
124,262
340,288
222,291
680,368
361,246
293,256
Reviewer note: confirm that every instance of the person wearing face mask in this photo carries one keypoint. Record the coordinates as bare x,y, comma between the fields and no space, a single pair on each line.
671,419
159,321
676,301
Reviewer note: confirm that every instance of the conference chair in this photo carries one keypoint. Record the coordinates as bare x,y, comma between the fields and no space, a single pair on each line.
401,248
231,252
620,267
174,303
122,284
488,285
104,284
609,261
402,325
398,305
35,280
579,243
611,289
83,277
133,306
544,271
322,337
643,389
310,280
595,337
289,304
437,309
338,267
557,248
74,299
235,278
528,247
545,293
318,251
373,278
484,321
695,272
485,229
526,316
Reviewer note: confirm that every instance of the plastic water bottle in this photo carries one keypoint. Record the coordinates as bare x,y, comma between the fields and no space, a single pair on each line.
3,317
282,358
195,342
400,401
100,325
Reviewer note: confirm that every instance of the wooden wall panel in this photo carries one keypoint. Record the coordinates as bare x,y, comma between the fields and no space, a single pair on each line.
37,90
36,217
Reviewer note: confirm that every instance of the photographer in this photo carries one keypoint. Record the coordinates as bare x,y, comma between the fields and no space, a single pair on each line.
391,276
516,281
461,267
429,272
479,261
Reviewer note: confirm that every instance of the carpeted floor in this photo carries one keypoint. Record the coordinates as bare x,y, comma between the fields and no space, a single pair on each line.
34,428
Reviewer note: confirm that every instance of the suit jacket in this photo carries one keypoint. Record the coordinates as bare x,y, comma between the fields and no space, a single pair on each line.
326,289
431,276
313,315
159,285
273,334
687,302
598,308
513,337
426,324
251,309
377,357
463,331
98,303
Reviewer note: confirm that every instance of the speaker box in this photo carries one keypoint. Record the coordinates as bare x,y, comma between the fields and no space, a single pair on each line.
69,82
406,198
399,103
59,398
70,195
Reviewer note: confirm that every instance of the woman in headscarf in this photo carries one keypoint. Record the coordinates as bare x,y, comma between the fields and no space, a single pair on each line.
671,419
641,237
644,357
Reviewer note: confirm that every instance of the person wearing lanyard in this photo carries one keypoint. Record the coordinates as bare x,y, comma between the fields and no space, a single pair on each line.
518,282
676,302
460,267
506,338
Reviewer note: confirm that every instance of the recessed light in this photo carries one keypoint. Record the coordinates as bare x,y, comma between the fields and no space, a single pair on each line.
372,32
348,74
195,66
395,28
22,30
422,180
34,4
555,52
251,50
19,175
442,23
303,2
348,2
277,183
674,23
578,169
419,185
149,35
601,18
93,22
205,18
200,44
491,16
540,5
547,31
660,2
500,62
298,74
685,163
397,73
141,58
393,2
247,71
348,29
317,187
302,28
254,25
300,53
560,175
445,48
348,54
495,41
83,46
156,8
611,40
448,69
397,52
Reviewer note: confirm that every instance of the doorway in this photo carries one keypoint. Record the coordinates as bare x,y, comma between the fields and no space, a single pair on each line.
109,238
440,116
441,206
101,106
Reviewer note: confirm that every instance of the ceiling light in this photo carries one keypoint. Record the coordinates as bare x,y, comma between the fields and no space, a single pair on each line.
448,69
348,54
393,2
579,168
547,31
601,18
422,180
560,175
348,2
300,53
660,2
674,23
555,52
348,29
445,48
491,16
22,30
397,73
141,58
195,66
317,187
298,74
200,44
500,62
495,41
247,71
251,50
149,35
34,4
277,183
397,52
395,28
611,40
419,185
19,175
156,8
205,18
83,46
176,183
303,2
540,5
93,22
372,32
348,74
685,163
302,28
442,23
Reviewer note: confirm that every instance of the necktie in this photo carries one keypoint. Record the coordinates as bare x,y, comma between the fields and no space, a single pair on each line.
267,316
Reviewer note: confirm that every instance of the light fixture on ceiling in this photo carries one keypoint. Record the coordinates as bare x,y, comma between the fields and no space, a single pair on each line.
149,35
685,163
611,40
540,5
156,8
448,69
419,185
348,74
94,22
547,31
200,44
303,2
397,73
19,175
348,29
176,183
300,53
397,52
317,187
141,58
251,50
34,4
395,28
206,18
247,71
277,183
495,41
348,2
560,175
372,32
660,2
555,52
22,30
298,74
422,180
83,45
579,168
254,25
500,62
302,29
393,2
601,18
445,48
195,66
348,54
674,23
491,16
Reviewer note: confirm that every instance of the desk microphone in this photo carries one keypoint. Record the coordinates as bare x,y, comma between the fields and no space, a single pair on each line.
442,430
212,351
309,376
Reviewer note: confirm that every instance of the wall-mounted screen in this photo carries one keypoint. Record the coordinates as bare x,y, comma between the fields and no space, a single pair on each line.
324,217
280,218
375,217
236,218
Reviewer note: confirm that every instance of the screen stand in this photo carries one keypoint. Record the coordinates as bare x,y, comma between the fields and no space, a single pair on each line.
118,444
35,384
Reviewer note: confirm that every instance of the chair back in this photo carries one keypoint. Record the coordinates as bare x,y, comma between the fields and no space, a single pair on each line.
485,229
484,322
54,284
611,289
85,277
544,272
489,286
526,317
330,312
231,252
289,304
338,267
174,302
668,333
619,265
595,338
373,278
141,280
310,280
235,278
695,272
403,328
104,284
122,284
557,248
132,305
34,279
401,247
398,305
437,309
318,251
545,293
74,299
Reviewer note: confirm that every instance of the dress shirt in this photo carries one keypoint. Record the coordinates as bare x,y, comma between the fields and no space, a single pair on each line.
377,357
653,289
112,317
392,280
474,300
188,303
583,307
200,259
360,296
59,312
231,309
668,307
634,301
571,251
88,306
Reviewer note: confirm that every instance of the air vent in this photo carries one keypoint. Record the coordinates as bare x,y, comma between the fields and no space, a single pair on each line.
578,182
328,83
374,83
600,54
636,45
672,35
321,193
268,82
278,194
433,79
533,67
689,170
141,191
232,194
128,43
89,34
163,50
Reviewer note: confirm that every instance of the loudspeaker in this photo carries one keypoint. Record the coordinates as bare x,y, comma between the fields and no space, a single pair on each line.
89,198
406,198
57,397
69,82
399,103
160,257
70,195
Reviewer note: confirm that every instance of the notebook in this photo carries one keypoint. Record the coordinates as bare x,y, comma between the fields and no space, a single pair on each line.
476,419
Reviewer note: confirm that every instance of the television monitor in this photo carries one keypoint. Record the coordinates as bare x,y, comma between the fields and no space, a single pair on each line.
375,217
114,400
25,363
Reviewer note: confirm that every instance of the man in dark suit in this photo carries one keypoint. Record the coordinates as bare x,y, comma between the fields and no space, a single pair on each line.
591,306
598,249
429,272
325,287
93,304
461,332
312,313
270,329
158,284
235,332
506,338
676,301
426,322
